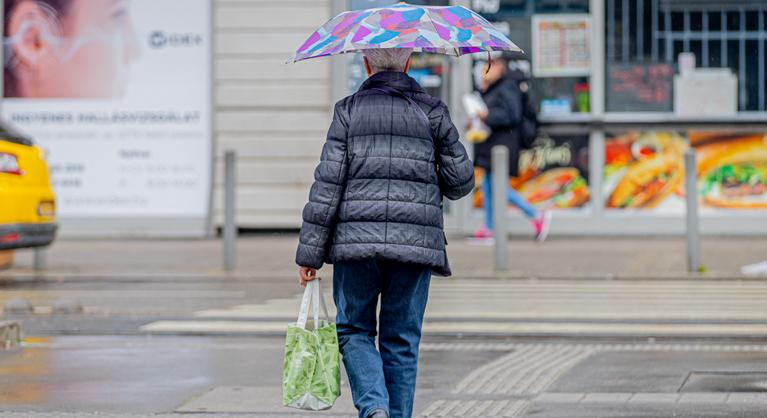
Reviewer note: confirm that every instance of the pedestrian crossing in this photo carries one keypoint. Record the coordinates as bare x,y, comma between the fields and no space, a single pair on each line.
537,308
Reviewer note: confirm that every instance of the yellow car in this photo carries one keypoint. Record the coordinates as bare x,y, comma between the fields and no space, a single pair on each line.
27,202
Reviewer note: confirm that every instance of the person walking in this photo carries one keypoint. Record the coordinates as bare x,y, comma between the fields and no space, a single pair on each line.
375,213
502,92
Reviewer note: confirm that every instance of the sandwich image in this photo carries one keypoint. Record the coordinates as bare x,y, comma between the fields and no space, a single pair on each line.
732,171
559,187
646,168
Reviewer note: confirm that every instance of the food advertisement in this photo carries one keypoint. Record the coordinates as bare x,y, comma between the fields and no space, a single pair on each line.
732,169
119,94
645,171
552,175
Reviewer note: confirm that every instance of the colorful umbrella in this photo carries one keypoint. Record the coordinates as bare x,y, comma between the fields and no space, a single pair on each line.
450,30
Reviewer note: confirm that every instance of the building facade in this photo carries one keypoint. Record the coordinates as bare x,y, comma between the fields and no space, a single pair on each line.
623,89
607,116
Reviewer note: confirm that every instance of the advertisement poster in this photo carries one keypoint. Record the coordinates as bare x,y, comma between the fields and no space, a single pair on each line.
732,169
552,175
119,94
561,45
645,171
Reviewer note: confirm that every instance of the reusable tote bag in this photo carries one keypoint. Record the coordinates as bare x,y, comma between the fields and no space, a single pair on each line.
311,376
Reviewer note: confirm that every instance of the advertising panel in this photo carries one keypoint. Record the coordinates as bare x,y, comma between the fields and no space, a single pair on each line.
561,45
119,94
732,169
552,175
645,171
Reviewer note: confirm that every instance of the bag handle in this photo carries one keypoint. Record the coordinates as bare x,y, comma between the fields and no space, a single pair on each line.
312,296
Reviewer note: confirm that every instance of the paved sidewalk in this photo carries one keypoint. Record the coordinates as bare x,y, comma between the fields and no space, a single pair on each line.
271,255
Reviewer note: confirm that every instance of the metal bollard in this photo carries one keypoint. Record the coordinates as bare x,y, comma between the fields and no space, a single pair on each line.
39,258
693,223
230,224
500,173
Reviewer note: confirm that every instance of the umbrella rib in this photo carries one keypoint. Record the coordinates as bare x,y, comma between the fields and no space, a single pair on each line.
431,20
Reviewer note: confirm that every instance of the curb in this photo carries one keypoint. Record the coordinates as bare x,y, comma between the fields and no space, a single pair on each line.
55,276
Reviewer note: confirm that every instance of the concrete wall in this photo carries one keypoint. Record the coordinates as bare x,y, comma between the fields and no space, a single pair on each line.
275,115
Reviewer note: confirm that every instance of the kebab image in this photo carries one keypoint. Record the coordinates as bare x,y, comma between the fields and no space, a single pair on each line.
653,164
560,187
732,170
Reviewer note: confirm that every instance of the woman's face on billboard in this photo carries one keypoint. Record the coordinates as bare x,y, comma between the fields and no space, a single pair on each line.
82,51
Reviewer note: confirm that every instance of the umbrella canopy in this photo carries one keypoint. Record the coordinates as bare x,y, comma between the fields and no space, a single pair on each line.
450,30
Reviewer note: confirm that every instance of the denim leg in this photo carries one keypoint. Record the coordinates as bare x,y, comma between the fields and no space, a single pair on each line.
403,301
517,200
487,199
356,286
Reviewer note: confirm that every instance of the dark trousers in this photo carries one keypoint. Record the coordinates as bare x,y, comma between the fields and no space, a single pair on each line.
382,379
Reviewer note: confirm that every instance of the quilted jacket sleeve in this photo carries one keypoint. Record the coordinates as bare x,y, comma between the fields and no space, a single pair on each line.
329,181
456,171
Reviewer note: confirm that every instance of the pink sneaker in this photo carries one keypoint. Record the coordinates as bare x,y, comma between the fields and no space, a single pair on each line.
542,224
482,233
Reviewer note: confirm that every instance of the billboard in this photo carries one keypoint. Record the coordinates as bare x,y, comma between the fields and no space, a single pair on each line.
119,94
644,171
553,174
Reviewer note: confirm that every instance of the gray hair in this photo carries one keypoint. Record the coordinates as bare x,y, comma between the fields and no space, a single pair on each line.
387,59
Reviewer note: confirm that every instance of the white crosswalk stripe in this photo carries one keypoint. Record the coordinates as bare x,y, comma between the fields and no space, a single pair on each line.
545,307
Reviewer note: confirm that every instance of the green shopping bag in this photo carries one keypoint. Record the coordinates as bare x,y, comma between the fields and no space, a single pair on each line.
311,375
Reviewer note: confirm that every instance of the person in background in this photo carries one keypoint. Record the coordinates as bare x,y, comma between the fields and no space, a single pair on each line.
375,212
502,92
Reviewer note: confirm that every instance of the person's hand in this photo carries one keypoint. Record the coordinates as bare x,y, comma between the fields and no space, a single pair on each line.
482,116
467,125
306,274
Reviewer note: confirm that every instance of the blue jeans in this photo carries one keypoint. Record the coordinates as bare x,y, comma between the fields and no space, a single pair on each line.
380,380
511,195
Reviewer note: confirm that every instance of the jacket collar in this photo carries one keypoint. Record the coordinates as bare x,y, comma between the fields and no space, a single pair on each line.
395,79
501,81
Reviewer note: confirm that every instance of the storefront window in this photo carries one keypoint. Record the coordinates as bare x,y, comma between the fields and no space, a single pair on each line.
560,93
644,40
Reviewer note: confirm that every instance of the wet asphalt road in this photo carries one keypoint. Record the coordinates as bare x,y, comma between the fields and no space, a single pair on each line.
101,363
144,376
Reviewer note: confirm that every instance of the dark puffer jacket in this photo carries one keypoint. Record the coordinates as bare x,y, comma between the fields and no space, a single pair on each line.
378,188
504,114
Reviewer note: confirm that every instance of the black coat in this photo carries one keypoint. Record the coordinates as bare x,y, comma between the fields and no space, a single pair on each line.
382,175
504,114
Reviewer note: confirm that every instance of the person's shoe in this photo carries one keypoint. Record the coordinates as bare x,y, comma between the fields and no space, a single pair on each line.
542,224
483,233
378,413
